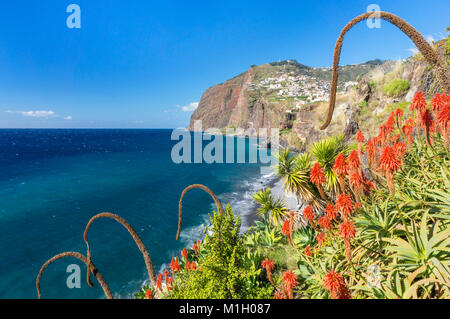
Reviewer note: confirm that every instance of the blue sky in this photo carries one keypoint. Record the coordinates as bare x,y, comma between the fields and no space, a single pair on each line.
145,64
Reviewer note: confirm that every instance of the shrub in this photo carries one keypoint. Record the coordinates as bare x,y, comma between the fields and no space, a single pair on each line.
223,271
396,87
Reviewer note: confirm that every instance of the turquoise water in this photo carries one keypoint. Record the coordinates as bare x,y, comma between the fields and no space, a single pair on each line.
53,181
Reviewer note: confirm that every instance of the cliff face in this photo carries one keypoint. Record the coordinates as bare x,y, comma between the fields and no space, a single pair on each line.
294,98
268,95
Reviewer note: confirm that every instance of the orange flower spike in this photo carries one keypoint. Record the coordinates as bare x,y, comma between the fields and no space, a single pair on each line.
344,204
194,265
184,254
360,139
347,231
331,212
308,213
427,123
418,105
148,294
372,152
320,239
324,223
279,295
159,282
356,181
286,228
340,168
290,282
334,282
400,149
196,249
307,251
390,163
437,102
317,177
398,113
408,130
268,265
353,161
443,119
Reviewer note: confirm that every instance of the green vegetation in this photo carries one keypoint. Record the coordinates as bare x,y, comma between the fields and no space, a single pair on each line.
383,233
396,87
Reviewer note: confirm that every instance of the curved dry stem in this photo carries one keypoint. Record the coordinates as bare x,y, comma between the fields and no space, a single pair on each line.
180,203
430,55
137,240
79,256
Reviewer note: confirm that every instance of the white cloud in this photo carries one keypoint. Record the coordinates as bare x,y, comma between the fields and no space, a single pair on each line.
68,117
38,113
191,107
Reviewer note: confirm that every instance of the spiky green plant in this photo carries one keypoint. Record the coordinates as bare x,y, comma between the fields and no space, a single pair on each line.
269,205
325,152
295,171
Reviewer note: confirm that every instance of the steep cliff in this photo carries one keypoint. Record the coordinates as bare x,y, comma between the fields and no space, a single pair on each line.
293,97
270,95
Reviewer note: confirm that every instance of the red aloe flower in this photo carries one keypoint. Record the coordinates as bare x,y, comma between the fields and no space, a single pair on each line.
279,295
308,213
269,266
437,102
165,273
358,205
356,181
331,212
320,239
324,222
418,102
286,229
344,204
390,163
427,123
398,113
174,266
308,251
400,149
169,283
187,265
353,161
335,284
347,231
408,131
369,185
372,152
159,282
317,177
194,265
289,282
196,249
340,168
340,165
148,294
418,105
360,139
184,254
443,120
390,122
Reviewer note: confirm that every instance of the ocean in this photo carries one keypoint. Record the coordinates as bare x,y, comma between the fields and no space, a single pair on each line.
53,181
